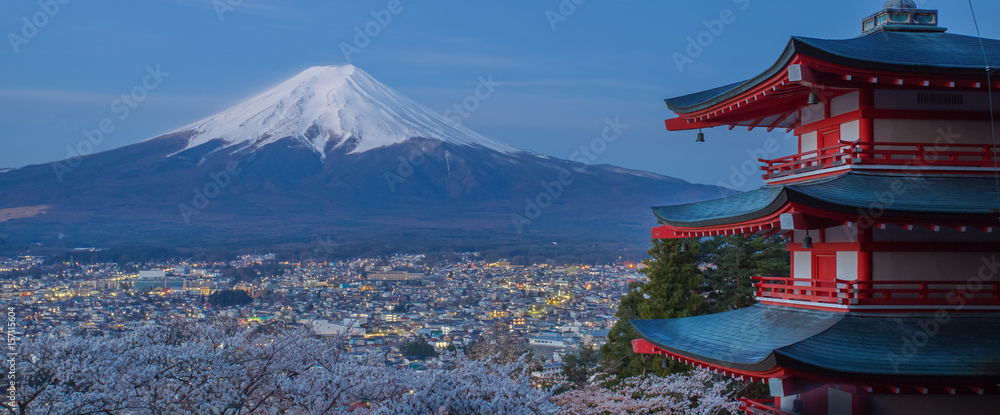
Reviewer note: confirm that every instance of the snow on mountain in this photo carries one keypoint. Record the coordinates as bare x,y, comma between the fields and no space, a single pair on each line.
342,105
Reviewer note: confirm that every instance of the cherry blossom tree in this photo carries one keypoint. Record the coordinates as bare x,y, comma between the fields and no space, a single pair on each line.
699,392
183,367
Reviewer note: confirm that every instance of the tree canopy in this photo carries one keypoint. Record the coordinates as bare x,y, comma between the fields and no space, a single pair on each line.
689,278
229,298
417,348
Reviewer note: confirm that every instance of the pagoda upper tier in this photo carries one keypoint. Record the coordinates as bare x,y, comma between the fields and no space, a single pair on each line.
889,60
898,97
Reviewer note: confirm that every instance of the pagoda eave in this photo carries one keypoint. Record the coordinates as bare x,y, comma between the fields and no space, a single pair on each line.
798,378
771,99
747,343
643,346
863,199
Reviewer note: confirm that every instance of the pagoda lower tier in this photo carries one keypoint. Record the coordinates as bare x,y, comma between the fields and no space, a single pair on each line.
893,304
873,363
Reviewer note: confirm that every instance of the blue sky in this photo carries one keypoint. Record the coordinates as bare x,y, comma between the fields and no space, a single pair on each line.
563,73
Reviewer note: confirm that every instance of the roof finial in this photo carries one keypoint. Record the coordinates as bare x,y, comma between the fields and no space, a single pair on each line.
900,4
902,16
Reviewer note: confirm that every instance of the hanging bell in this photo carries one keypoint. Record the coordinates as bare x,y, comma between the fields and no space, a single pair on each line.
813,98
701,137
807,242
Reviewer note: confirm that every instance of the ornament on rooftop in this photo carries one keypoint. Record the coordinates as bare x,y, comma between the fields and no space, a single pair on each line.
902,16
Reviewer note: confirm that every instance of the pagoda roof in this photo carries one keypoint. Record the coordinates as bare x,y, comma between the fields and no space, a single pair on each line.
898,52
763,338
910,197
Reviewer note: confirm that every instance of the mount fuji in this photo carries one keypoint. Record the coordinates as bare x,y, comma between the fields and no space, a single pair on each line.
331,160
328,108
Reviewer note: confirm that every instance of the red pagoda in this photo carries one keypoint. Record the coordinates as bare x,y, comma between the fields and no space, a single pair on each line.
891,209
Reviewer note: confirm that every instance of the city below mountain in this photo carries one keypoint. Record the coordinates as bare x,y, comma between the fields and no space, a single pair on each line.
332,162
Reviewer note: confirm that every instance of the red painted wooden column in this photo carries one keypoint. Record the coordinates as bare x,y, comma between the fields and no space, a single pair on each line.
867,124
864,258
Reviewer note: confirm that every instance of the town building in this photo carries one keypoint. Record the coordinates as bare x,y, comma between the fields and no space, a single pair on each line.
395,276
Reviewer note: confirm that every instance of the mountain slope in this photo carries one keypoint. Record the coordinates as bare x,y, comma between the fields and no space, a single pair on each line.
333,156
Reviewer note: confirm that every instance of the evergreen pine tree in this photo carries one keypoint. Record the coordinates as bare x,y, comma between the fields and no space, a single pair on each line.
580,365
672,292
732,262
678,287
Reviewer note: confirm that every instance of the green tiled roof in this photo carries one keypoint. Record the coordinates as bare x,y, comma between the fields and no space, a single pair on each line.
921,53
743,339
761,338
724,210
911,196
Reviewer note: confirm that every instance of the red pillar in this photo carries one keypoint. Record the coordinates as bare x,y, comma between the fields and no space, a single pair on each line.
867,124
864,254
864,259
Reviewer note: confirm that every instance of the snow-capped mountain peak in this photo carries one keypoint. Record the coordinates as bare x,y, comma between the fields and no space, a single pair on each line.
332,104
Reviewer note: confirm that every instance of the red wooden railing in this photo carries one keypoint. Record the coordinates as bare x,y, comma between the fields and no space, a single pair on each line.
880,293
890,154
799,289
807,161
917,154
933,293
763,407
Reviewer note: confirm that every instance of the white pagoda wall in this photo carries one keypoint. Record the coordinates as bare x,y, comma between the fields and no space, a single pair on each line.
900,265
847,265
802,265
922,234
808,142
907,99
934,404
931,131
937,266
903,131
845,103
